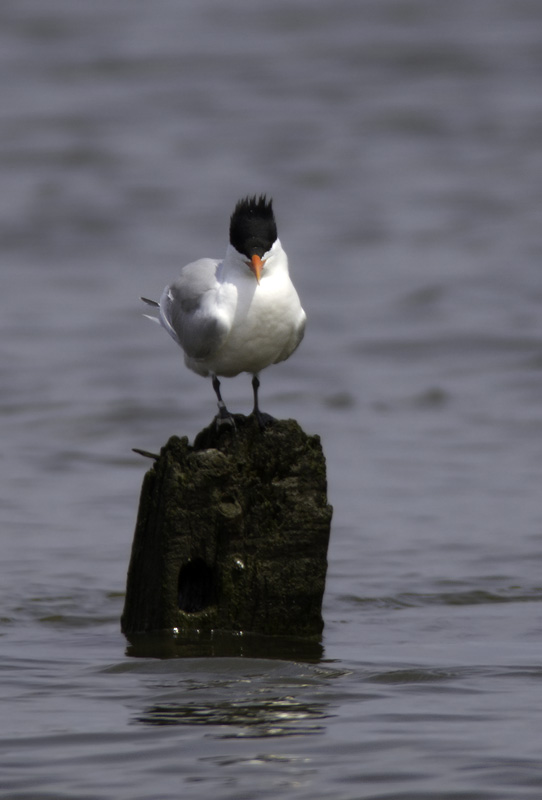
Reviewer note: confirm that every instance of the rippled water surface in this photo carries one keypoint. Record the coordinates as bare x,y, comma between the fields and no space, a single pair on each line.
401,142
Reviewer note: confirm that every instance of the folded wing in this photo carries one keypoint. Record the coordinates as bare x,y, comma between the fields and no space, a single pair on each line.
190,310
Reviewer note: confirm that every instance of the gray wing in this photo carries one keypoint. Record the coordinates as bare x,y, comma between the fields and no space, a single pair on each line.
190,310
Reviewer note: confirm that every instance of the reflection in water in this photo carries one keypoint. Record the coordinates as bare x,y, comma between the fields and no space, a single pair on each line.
258,719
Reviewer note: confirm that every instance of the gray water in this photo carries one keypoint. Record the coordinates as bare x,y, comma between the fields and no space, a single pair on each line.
401,141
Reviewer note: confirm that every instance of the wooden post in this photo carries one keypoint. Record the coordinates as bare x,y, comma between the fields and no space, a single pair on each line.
232,534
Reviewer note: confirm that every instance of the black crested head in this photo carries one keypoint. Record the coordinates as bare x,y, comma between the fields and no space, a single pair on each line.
253,229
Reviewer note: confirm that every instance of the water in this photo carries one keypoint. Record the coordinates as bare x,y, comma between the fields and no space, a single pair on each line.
400,140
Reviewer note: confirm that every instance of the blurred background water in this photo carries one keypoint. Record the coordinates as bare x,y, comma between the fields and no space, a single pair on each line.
401,141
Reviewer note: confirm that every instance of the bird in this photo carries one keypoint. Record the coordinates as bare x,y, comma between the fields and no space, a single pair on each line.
236,314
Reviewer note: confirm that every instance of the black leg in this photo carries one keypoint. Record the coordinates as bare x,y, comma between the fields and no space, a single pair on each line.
224,417
263,419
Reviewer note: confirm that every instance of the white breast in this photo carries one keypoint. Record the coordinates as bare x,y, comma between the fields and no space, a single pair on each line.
268,321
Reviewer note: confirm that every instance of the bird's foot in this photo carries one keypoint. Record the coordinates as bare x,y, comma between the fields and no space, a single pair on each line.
224,418
264,420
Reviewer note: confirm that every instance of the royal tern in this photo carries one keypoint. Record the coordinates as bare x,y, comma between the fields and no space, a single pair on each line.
238,314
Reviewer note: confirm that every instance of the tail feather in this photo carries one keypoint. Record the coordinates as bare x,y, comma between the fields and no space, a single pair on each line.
152,319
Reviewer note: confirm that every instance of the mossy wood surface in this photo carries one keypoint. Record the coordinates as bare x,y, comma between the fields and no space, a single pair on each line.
232,534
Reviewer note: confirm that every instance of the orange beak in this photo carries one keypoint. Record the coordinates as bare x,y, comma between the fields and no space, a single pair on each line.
256,265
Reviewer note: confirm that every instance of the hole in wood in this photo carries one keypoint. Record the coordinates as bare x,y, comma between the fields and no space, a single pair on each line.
196,586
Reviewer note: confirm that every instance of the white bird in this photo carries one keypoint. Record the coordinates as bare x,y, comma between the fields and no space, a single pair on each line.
238,314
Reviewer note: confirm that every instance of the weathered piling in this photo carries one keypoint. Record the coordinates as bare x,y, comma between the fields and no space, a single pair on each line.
232,534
